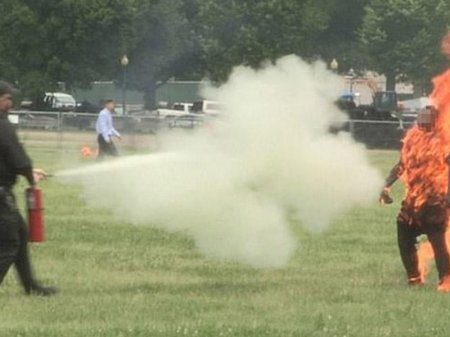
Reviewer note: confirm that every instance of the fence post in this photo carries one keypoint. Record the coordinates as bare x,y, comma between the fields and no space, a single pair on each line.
352,128
59,135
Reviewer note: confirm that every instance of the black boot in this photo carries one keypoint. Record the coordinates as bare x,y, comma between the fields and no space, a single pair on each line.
23,266
40,290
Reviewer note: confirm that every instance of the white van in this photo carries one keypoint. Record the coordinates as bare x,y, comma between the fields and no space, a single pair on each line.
59,101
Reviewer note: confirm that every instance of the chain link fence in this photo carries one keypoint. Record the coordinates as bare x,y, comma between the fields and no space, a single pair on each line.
70,131
378,134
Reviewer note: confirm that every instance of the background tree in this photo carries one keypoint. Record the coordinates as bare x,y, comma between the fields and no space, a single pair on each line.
249,32
70,41
21,54
401,38
43,42
340,39
163,45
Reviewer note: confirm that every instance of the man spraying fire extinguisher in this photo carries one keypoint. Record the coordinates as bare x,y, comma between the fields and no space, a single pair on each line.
13,230
424,168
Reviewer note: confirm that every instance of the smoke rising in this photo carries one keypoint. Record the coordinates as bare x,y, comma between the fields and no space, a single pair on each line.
231,186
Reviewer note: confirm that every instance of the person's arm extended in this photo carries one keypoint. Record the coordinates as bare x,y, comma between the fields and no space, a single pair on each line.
393,176
116,133
28,174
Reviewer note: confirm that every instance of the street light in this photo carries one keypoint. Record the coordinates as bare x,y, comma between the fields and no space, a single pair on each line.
334,65
352,76
124,62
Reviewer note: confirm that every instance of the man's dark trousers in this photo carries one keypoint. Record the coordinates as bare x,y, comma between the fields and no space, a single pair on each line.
407,239
13,244
105,148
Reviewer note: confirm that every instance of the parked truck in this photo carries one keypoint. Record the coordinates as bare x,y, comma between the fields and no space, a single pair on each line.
383,108
51,101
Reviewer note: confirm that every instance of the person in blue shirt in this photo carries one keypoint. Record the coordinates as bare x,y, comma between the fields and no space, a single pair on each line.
106,131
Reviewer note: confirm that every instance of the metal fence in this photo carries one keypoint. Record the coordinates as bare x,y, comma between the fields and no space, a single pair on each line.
378,134
76,121
70,131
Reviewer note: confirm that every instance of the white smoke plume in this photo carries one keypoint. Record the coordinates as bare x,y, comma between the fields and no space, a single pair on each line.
232,186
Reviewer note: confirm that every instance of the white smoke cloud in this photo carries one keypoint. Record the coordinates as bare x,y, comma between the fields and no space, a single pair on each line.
231,187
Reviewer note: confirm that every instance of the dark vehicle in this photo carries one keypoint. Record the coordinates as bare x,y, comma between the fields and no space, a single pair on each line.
54,101
346,101
378,125
88,107
383,108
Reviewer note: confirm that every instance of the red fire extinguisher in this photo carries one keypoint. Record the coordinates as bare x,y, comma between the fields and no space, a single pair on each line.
35,212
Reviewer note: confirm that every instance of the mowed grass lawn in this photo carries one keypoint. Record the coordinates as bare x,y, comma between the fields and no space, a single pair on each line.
121,280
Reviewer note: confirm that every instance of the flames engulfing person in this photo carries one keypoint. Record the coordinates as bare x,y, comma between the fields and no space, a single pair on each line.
424,167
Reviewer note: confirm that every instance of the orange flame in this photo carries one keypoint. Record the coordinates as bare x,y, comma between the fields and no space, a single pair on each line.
434,176
86,151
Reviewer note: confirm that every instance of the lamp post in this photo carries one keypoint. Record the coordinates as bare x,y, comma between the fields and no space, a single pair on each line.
352,76
124,62
334,65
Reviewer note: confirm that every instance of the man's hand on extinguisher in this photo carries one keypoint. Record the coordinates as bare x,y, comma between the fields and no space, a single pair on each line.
39,174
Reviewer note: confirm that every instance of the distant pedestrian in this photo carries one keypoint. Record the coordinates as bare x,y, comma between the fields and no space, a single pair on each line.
106,131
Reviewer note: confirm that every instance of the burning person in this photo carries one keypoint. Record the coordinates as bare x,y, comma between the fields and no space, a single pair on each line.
424,168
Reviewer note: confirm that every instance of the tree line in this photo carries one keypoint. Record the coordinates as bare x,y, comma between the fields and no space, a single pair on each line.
44,42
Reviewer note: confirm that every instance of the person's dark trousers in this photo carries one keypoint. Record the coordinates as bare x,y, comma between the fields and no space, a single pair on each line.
105,148
14,246
407,239
441,254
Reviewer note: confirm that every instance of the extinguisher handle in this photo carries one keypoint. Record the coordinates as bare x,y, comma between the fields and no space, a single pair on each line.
30,189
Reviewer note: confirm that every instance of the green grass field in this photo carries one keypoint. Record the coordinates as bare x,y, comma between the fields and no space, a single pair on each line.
120,280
